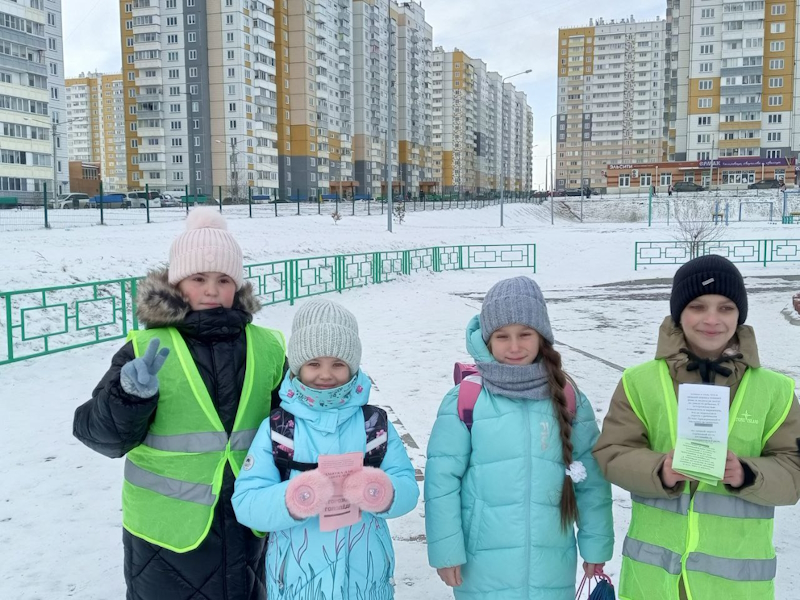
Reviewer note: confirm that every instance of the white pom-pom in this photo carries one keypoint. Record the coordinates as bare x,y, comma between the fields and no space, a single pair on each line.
577,472
205,218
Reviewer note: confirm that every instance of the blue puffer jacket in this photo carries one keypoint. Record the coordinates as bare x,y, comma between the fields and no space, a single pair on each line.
492,496
303,562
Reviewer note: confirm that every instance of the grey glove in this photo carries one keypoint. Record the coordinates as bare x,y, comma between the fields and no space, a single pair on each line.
138,377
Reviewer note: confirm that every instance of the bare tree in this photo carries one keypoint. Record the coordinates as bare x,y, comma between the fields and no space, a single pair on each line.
697,225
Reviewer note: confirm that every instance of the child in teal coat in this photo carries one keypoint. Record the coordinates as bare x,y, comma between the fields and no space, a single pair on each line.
502,500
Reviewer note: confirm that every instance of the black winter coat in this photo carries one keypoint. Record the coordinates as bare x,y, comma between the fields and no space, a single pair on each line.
229,563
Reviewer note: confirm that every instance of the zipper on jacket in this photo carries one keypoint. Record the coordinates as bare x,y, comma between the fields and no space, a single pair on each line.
527,497
221,505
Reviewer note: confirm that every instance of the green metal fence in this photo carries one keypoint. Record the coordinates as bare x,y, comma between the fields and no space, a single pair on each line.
738,251
42,321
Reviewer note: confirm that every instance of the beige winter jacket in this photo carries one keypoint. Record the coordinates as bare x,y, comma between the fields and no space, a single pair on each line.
623,450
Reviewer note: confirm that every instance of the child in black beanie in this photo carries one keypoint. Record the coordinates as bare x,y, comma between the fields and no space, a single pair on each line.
689,539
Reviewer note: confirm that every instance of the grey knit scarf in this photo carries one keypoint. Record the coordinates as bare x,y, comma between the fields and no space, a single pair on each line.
516,381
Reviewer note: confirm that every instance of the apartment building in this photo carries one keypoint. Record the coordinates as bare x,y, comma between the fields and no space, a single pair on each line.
734,81
199,83
482,128
31,101
414,99
96,125
373,22
313,46
613,89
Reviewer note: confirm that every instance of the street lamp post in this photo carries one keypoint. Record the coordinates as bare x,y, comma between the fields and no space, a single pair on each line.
502,95
552,180
234,187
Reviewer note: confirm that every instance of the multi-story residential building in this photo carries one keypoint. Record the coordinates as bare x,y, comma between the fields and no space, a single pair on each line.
96,125
29,46
734,82
198,90
58,92
313,43
613,88
372,76
482,128
414,99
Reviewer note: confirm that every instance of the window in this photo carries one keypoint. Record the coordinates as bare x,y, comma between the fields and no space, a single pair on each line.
645,180
172,21
172,4
773,154
776,64
774,136
172,39
706,67
704,102
707,13
775,100
192,36
704,138
704,120
192,71
774,118
172,56
173,73
777,46
666,179
706,84
232,124
706,31
776,82
707,49
232,107
779,27
229,19
175,125
177,159
232,73
174,108
229,37
191,19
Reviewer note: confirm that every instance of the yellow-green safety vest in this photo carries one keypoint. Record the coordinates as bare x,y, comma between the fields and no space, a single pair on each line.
720,545
173,479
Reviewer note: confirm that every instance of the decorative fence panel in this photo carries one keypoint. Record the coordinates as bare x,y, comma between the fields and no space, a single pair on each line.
738,251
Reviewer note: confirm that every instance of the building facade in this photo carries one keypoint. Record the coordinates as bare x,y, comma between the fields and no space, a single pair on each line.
482,128
198,84
96,126
735,79
315,117
414,99
613,87
31,101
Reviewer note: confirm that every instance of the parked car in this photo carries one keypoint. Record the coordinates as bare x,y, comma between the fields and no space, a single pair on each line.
74,200
687,186
108,201
139,200
168,200
765,184
587,192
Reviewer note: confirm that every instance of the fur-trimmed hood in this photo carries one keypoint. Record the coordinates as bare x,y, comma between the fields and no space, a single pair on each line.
160,304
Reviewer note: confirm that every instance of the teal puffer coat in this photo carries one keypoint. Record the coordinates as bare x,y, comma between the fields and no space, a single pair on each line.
492,496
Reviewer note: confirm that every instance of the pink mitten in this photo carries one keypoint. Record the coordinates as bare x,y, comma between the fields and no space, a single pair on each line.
308,493
370,489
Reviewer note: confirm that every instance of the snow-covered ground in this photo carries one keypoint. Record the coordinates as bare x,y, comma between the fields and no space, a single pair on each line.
60,533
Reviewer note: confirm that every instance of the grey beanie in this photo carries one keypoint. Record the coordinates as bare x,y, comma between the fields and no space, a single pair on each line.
515,301
324,328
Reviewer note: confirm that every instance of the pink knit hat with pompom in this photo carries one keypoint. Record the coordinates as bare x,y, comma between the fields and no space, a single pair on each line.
205,247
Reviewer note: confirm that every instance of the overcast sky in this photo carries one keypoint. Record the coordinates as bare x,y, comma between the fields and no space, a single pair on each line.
510,35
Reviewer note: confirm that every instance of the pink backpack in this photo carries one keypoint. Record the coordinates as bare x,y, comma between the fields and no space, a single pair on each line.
471,384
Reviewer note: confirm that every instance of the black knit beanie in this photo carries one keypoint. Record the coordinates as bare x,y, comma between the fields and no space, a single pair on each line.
709,274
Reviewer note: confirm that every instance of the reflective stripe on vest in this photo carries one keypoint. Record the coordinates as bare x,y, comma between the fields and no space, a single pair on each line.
173,479
719,544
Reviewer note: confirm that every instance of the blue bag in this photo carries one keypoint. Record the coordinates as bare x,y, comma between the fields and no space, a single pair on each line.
603,591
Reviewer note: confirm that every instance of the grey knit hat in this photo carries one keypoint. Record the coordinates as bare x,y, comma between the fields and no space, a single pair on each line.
515,301
324,328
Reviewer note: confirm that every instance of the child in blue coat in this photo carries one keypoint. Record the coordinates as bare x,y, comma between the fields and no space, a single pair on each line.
322,398
502,500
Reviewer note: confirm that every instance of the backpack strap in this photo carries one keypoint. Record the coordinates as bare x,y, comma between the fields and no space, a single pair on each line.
376,426
468,391
471,386
281,425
